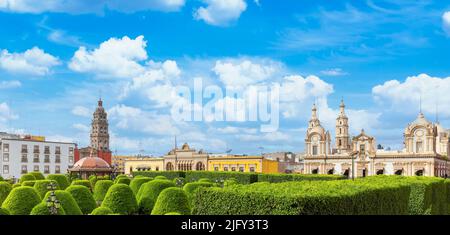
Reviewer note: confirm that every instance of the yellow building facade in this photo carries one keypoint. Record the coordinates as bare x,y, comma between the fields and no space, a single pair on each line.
256,164
143,164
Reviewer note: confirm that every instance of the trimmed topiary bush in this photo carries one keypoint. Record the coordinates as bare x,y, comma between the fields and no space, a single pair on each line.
42,209
123,180
85,183
205,180
101,211
100,190
21,200
38,175
172,200
26,177
190,188
148,193
241,177
4,211
68,203
83,197
169,174
5,189
160,177
17,185
120,199
136,183
93,180
172,213
62,180
41,186
29,183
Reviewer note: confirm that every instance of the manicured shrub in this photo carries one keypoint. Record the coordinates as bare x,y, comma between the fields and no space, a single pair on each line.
119,177
120,199
29,183
160,177
447,185
5,189
41,186
92,180
276,178
17,185
42,209
172,200
136,183
172,213
21,200
62,180
38,175
4,211
1,178
190,188
148,193
179,181
85,183
100,190
205,180
83,197
26,177
241,177
168,174
123,180
68,203
101,211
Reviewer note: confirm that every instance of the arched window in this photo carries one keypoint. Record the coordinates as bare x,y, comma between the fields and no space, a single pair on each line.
331,171
340,142
419,173
399,172
169,166
347,173
315,171
200,166
380,172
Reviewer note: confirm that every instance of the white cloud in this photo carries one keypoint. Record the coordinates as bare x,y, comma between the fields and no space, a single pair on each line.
220,12
241,73
81,111
115,58
6,113
405,96
88,6
446,22
270,137
10,84
81,127
236,130
334,72
33,61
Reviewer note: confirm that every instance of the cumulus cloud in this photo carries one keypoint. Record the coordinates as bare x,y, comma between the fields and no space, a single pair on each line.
405,96
6,113
81,111
81,127
220,12
446,22
10,84
33,61
115,58
88,6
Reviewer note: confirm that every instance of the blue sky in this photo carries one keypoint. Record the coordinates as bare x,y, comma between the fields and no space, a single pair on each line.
380,56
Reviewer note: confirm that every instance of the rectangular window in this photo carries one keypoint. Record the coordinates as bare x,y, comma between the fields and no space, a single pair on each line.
57,158
157,168
24,169
252,169
47,158
24,148
70,159
241,169
362,148
57,169
314,152
225,168
36,158
46,169
6,157
36,168
24,157
6,148
36,149
5,169
71,151
216,168
57,150
233,168
47,150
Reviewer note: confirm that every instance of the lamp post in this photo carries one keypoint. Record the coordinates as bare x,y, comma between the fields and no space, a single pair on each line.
53,203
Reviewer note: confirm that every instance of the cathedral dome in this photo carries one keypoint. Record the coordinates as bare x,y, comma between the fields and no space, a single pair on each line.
91,163
185,146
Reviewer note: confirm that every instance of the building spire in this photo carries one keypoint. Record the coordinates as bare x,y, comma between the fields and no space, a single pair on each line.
314,112
342,107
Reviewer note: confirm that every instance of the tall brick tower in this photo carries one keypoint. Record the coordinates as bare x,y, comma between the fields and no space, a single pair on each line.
99,129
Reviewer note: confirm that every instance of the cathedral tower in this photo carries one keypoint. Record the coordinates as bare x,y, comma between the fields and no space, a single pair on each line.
99,129
342,135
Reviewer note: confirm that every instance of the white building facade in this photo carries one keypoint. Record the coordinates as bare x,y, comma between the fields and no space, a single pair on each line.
20,156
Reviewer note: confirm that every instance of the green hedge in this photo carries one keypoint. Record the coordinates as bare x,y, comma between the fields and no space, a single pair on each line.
136,183
37,175
148,193
242,178
42,209
123,180
168,174
21,200
172,199
29,183
61,179
101,211
4,211
277,178
26,177
120,199
68,203
41,186
101,188
85,183
342,197
5,189
83,197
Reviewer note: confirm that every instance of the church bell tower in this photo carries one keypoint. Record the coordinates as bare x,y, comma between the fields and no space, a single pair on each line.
342,135
99,129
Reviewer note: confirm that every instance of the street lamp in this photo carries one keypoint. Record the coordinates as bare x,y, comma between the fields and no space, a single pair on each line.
53,204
